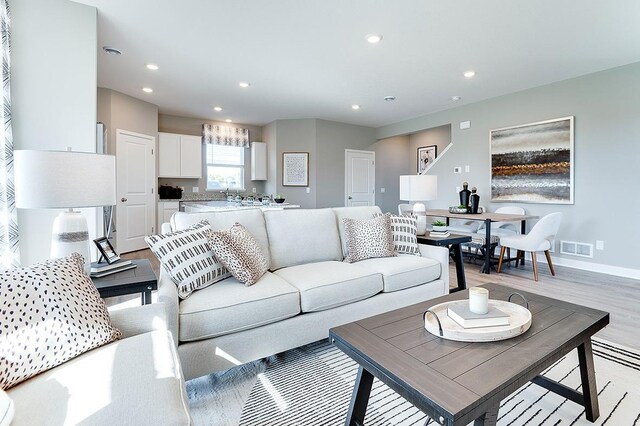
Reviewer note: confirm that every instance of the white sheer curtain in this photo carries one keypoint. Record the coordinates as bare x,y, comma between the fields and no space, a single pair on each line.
9,252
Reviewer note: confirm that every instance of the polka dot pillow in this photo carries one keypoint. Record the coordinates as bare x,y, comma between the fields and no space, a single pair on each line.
49,313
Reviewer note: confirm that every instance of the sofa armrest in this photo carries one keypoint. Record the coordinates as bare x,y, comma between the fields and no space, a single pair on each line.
166,228
441,254
140,319
168,294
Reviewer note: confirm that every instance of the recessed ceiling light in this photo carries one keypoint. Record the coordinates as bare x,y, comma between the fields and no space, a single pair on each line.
217,108
374,38
152,67
147,89
356,107
228,120
469,73
456,98
389,98
244,84
112,50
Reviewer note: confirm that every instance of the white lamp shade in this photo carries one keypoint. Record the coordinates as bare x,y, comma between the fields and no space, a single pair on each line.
418,187
64,179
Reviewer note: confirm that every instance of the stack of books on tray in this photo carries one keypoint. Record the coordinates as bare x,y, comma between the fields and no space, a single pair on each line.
440,234
460,313
101,269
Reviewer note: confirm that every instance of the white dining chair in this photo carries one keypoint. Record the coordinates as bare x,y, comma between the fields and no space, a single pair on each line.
538,239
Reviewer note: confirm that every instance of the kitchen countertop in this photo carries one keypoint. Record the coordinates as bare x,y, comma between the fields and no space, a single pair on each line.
203,206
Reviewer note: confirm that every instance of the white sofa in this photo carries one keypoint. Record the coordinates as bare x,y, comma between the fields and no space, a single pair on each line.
308,288
134,381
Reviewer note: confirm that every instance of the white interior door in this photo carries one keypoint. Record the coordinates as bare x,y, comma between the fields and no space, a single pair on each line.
135,181
360,178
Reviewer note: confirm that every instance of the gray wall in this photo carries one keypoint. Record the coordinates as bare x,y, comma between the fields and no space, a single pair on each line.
332,138
392,160
269,137
439,136
53,90
606,106
193,126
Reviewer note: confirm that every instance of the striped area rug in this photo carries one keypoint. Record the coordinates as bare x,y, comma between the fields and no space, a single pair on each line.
312,385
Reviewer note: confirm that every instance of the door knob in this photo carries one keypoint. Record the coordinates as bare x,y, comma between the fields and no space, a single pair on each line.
124,200
350,197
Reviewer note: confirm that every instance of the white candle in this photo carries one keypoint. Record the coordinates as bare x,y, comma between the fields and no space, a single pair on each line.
479,300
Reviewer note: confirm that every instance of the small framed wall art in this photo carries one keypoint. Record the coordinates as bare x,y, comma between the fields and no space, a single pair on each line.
295,169
426,156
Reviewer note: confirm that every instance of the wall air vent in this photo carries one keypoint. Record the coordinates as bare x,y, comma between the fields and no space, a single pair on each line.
575,248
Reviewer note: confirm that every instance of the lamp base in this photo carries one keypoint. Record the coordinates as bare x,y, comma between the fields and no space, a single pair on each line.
70,234
419,211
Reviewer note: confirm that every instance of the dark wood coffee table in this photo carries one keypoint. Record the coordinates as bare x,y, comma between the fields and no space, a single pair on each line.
455,382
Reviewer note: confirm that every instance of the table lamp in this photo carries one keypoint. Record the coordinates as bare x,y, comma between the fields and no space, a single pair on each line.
65,180
418,188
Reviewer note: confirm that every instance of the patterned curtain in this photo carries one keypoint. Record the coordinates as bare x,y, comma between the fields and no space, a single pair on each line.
9,252
223,135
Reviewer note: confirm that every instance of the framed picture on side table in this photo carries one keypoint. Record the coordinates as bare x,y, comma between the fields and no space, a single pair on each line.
106,250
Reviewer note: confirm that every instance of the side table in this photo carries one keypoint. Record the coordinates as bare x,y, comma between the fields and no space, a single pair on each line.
141,279
453,240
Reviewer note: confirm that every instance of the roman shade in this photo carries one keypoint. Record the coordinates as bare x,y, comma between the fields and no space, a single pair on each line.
224,135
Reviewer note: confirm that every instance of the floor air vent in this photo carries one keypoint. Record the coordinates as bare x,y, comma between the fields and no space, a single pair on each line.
575,248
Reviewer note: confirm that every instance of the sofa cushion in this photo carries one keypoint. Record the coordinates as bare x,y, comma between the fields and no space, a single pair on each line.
239,252
326,285
252,219
229,306
403,271
187,257
360,213
7,409
50,312
135,381
302,236
369,238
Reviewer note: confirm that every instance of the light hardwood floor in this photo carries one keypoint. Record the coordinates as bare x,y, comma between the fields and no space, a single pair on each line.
618,296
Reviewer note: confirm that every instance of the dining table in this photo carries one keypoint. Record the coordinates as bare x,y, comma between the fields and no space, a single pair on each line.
488,219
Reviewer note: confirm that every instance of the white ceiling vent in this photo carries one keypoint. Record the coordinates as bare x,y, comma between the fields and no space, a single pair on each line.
575,248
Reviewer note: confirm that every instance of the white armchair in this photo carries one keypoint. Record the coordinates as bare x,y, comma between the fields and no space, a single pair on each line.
538,239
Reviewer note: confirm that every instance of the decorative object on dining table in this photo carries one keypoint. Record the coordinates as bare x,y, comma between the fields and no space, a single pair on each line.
419,188
295,169
458,209
474,201
464,195
426,156
438,322
533,162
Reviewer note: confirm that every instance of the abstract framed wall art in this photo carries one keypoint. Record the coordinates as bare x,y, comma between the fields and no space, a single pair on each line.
533,163
295,169
426,156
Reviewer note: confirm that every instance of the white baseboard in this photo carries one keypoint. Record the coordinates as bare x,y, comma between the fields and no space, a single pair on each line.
593,267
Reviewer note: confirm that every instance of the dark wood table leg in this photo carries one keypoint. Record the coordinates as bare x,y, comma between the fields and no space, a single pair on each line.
490,418
487,247
457,253
359,398
523,230
588,376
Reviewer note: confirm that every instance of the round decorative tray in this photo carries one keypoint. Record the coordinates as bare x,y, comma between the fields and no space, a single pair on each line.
458,210
438,323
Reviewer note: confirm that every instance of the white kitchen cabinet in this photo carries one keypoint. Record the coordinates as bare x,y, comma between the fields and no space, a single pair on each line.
258,161
179,156
165,210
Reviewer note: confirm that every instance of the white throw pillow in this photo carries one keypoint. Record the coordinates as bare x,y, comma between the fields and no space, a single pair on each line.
367,239
240,252
187,257
49,313
7,409
404,230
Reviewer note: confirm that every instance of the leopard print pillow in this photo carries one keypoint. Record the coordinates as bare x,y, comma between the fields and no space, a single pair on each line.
240,253
49,313
367,239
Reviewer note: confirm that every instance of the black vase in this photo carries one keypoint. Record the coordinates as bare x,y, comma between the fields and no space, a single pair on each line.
464,195
475,201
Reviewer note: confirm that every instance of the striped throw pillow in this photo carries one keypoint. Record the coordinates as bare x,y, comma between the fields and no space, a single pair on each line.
404,230
188,259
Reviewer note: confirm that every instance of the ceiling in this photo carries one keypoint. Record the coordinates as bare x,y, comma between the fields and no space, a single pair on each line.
310,59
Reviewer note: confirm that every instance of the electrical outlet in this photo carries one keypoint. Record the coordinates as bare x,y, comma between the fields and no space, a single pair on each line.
599,245
308,190
465,125
383,190
254,190
467,169
457,169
